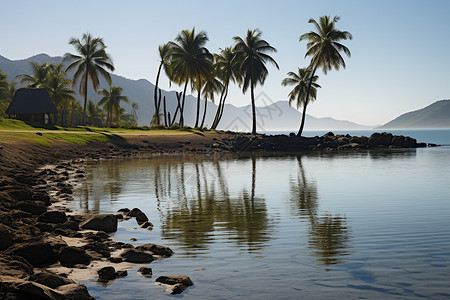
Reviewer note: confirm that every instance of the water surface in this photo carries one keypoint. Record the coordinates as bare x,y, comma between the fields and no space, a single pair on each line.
359,225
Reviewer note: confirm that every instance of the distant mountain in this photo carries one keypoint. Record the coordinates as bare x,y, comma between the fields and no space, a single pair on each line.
277,116
434,116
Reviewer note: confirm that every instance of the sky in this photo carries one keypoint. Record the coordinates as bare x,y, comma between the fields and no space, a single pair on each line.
399,53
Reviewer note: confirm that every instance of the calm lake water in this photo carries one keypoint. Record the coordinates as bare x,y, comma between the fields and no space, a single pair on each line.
358,225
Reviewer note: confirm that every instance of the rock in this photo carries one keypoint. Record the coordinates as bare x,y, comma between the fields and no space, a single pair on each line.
73,255
23,289
107,273
51,280
31,207
134,212
75,291
98,247
15,266
146,271
185,280
18,214
124,210
36,253
137,256
6,237
107,223
176,289
380,139
119,216
147,225
116,260
156,249
141,218
53,217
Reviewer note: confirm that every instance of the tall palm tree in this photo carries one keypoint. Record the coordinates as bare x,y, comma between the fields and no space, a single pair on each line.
111,104
227,69
39,76
324,47
3,85
300,81
134,109
252,52
163,50
189,61
91,61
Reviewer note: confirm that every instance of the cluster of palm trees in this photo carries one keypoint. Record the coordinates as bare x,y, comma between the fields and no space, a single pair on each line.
91,62
187,62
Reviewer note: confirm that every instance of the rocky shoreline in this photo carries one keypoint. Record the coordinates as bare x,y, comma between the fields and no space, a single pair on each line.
42,242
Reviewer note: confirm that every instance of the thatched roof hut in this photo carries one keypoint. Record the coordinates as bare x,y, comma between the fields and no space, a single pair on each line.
32,105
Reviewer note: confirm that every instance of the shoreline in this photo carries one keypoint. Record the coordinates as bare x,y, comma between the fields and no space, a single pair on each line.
28,226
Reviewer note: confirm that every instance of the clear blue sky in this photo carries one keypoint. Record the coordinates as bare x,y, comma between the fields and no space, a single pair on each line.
400,51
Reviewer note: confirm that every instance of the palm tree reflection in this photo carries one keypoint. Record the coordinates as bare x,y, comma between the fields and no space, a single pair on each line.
328,234
209,213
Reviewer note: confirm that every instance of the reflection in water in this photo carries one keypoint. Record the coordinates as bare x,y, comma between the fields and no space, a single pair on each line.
198,216
328,234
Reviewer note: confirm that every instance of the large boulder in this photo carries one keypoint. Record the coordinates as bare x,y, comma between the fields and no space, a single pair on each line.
380,139
137,256
54,217
17,288
36,253
32,207
74,291
106,223
73,255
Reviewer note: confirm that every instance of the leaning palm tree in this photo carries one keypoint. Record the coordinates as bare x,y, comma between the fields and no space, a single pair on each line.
111,104
227,69
39,76
163,50
189,61
252,54
324,47
57,85
91,61
300,81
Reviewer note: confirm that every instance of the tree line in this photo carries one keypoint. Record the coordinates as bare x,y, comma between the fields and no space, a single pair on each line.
188,63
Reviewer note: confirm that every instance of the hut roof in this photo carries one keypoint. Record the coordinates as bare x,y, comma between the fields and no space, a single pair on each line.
31,101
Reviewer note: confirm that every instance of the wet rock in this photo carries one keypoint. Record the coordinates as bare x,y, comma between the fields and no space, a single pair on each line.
116,260
50,279
23,289
141,218
107,223
156,249
137,256
147,225
106,274
99,247
36,253
176,284
380,139
124,210
146,271
73,255
53,217
134,212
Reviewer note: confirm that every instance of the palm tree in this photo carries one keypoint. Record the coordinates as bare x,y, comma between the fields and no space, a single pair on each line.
189,61
134,109
324,47
227,69
3,85
163,50
301,81
252,54
91,61
39,77
57,85
210,88
111,104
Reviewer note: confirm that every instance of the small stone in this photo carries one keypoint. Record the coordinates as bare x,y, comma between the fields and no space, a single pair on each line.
146,271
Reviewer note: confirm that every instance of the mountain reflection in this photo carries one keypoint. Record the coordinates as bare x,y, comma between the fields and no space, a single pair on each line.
328,235
206,212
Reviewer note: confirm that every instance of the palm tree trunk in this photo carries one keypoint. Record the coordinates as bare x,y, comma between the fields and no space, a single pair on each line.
253,107
165,111
182,105
216,118
198,107
302,124
85,97
223,106
204,112
155,95
300,131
